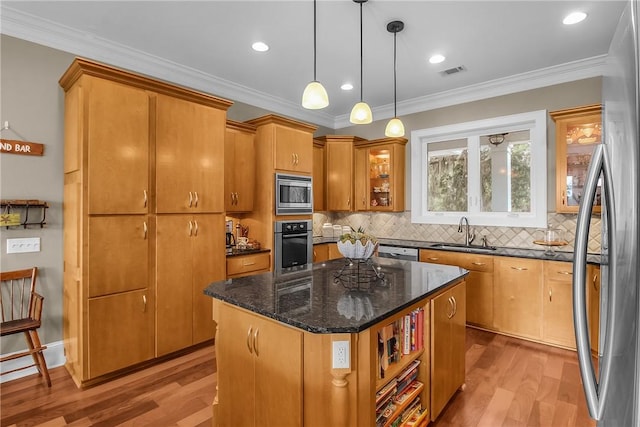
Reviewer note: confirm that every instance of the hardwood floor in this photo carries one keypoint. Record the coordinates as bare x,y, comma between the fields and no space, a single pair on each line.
509,382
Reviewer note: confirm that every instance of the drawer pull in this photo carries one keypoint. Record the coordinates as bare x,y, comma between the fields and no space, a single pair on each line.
248,263
478,263
433,258
519,268
567,273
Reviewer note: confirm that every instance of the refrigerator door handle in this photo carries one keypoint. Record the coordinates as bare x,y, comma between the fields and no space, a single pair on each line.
595,393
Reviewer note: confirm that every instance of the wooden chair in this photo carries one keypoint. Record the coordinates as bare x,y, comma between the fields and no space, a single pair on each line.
21,308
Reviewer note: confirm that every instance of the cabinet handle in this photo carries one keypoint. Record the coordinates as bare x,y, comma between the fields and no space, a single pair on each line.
568,273
550,292
144,302
249,339
595,282
232,198
519,268
144,192
293,158
433,258
190,228
195,233
450,312
197,199
255,342
455,306
237,198
349,201
244,263
145,229
478,263
190,199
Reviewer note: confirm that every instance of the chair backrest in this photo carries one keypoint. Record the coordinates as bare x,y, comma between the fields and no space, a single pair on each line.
19,298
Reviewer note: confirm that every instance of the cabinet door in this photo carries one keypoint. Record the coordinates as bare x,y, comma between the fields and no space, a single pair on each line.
174,292
120,331
278,360
189,156
208,265
294,150
236,370
557,326
339,157
518,296
321,252
117,129
118,254
240,171
318,178
361,179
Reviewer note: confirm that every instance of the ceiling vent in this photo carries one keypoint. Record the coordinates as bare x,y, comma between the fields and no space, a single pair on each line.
453,70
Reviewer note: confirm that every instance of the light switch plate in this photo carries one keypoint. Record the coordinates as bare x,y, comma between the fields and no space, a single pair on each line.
27,244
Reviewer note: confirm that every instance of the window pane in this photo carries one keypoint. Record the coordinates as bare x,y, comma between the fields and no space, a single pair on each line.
505,172
447,165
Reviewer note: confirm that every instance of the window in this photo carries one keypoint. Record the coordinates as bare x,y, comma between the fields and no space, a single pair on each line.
492,171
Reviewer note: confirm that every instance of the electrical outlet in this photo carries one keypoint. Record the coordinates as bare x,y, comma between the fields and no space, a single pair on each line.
29,244
341,357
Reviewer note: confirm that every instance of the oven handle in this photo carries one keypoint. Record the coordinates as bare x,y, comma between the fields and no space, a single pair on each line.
286,236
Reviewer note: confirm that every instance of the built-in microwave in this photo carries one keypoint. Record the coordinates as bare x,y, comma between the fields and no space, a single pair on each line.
294,194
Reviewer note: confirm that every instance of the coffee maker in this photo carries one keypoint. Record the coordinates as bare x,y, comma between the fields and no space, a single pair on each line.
230,239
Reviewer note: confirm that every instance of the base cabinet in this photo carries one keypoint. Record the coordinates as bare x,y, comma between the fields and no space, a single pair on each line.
557,306
325,252
260,374
593,297
447,346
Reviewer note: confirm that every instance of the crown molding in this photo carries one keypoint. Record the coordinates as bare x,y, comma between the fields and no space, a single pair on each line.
563,73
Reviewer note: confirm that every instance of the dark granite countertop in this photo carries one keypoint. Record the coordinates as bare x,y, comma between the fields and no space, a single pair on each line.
500,251
314,299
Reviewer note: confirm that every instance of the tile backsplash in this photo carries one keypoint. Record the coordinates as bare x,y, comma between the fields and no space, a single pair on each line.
399,226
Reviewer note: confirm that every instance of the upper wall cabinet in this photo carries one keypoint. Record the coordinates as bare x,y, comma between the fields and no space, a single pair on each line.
380,175
239,166
578,130
318,176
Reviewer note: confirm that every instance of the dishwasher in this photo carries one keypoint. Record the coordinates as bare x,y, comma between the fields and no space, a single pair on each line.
397,252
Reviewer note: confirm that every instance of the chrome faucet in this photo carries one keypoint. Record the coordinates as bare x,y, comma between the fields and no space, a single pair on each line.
468,234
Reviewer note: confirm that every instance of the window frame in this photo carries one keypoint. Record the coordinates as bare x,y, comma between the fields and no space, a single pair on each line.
534,121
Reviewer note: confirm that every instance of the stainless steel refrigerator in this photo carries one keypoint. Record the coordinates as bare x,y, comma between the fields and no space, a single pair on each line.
613,394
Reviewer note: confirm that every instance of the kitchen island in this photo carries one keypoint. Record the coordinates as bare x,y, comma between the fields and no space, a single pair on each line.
311,346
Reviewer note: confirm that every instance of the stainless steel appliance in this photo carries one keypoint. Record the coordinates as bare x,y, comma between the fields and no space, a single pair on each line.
395,252
613,394
294,194
293,243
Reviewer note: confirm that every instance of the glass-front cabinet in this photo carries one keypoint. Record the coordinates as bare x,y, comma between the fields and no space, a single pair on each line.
380,175
578,130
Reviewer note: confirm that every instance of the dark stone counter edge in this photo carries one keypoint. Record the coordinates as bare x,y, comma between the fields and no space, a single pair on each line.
363,327
240,252
500,251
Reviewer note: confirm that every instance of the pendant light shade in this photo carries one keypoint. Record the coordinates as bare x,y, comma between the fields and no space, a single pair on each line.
395,126
314,96
361,113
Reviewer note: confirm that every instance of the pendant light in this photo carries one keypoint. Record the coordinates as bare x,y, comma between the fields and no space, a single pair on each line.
395,126
361,113
314,96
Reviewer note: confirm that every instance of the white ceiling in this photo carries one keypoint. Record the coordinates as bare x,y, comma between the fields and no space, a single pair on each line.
505,46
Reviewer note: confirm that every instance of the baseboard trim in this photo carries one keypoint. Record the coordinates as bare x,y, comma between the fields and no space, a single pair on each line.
53,354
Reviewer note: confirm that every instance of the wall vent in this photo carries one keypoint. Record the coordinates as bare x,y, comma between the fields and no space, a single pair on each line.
453,70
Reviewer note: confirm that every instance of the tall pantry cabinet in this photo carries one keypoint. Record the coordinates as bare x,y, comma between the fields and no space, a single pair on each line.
142,159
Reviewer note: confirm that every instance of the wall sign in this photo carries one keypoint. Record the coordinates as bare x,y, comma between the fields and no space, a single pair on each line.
21,147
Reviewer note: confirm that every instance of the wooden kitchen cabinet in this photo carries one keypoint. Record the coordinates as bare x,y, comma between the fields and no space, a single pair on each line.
340,172
239,167
557,306
447,346
189,156
190,254
578,131
258,355
518,296
326,252
245,265
479,282
319,175
129,141
380,174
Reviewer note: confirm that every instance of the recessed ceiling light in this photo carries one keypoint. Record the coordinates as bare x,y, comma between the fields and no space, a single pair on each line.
346,86
260,47
436,59
574,18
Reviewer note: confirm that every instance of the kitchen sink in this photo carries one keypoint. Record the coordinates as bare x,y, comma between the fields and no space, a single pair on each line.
463,248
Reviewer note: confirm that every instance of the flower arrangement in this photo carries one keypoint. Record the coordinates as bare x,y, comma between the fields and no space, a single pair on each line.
357,244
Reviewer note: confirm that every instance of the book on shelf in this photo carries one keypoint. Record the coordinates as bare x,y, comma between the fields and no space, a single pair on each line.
392,415
400,338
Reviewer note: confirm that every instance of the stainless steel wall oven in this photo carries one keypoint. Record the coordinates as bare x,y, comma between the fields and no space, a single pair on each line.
293,243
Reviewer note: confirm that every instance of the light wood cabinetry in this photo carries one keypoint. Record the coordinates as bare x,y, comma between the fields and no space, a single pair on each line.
325,252
518,296
260,375
239,167
557,306
380,175
593,297
133,147
578,131
245,265
188,259
319,175
479,281
447,346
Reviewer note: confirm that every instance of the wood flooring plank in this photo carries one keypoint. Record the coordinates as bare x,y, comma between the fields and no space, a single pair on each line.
564,414
497,409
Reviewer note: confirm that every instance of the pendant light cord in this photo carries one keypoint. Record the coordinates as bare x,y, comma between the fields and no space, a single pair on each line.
395,99
314,41
361,84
